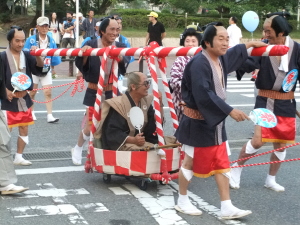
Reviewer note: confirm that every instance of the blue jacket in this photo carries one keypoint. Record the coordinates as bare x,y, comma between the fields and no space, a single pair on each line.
125,41
31,41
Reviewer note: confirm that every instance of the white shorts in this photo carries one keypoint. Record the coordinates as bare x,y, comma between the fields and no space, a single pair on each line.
46,80
189,150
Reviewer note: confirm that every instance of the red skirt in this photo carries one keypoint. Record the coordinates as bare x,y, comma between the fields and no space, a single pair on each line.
17,119
284,132
211,160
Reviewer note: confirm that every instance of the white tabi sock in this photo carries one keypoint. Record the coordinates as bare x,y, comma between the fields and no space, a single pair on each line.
18,156
183,199
78,152
270,179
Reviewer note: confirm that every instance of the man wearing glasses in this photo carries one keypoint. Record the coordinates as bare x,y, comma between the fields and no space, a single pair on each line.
119,132
44,40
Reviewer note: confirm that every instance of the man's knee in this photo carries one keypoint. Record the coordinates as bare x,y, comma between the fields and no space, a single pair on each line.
187,162
23,130
47,93
252,148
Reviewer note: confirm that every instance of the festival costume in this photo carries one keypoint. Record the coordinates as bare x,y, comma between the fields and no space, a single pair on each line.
116,125
202,124
175,83
91,72
19,106
271,95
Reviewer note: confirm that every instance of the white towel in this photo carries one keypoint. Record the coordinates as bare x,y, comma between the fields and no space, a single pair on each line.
284,65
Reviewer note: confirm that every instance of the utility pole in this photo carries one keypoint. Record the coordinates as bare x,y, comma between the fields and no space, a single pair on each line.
298,16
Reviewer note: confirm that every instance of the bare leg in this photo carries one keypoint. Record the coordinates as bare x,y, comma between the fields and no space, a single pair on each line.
83,136
185,175
48,97
21,143
223,186
275,166
271,181
183,182
256,143
86,130
23,131
248,150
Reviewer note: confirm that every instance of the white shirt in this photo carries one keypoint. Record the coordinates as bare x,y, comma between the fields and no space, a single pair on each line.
235,34
43,43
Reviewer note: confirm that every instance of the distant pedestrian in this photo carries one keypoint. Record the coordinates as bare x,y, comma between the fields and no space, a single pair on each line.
68,34
156,30
54,28
88,25
234,32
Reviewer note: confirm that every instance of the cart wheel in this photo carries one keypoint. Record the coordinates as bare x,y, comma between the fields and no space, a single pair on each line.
161,183
143,184
106,178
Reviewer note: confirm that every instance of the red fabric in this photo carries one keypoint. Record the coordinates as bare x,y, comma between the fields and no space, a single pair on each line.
110,158
138,161
17,119
169,160
122,170
210,160
284,132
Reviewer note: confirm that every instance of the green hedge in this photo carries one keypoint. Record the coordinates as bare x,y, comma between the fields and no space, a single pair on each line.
137,18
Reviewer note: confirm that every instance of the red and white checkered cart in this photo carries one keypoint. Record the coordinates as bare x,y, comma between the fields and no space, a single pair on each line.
145,164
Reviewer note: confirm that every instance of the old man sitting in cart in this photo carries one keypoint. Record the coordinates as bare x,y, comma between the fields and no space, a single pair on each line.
116,130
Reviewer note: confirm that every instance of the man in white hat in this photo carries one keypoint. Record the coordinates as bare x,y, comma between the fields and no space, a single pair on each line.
156,30
43,39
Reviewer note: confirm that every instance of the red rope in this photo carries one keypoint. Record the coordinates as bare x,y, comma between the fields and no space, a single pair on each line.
75,89
264,153
265,163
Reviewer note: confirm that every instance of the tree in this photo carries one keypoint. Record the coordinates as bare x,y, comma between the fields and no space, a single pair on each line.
3,6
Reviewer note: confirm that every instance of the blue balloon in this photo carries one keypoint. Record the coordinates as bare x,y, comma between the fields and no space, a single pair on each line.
250,21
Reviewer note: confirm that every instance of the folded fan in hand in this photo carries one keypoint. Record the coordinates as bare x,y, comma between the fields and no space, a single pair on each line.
263,117
20,81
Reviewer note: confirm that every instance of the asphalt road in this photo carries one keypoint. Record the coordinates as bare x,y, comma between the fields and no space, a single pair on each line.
61,193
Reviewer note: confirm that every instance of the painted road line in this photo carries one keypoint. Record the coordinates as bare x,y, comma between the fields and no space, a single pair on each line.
119,191
48,193
50,170
160,208
61,206
205,206
248,95
240,90
242,105
62,111
240,86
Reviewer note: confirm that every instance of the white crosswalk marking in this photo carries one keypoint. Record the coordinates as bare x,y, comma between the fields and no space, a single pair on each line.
246,88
